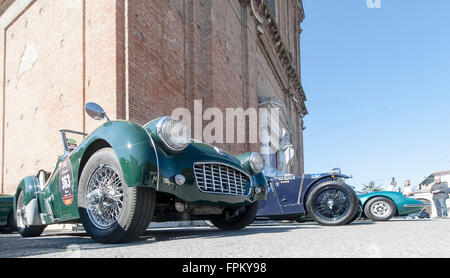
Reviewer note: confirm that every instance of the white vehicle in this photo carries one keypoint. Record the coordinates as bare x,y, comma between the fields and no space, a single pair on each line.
424,194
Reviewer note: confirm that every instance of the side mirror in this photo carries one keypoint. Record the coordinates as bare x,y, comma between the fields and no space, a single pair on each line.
95,111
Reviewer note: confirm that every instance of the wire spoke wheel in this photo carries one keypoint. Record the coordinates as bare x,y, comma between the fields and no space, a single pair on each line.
105,197
112,211
331,204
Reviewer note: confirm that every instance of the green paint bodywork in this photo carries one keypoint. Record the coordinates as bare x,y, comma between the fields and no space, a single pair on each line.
245,160
145,162
399,200
6,207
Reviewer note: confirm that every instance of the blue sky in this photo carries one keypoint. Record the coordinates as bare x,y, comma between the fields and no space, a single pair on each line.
378,88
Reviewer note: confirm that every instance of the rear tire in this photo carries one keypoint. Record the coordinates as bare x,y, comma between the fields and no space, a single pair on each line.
237,219
332,204
380,209
112,212
22,224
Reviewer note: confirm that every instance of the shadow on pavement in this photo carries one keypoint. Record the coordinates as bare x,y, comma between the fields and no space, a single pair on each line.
15,246
410,220
362,222
210,232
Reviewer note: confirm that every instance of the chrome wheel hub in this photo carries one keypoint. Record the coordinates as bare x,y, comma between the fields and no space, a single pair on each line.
380,209
330,204
105,197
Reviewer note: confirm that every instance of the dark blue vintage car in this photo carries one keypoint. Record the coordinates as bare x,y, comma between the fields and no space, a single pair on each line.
323,197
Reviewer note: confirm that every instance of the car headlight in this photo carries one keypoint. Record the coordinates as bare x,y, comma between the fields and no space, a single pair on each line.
257,162
173,133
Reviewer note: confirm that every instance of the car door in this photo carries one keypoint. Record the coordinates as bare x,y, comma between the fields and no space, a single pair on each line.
288,189
58,200
64,188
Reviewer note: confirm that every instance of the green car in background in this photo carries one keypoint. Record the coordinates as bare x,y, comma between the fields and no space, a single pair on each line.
383,205
7,224
123,176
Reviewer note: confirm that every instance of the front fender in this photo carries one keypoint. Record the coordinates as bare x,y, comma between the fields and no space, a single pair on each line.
393,196
30,188
313,182
133,146
404,205
260,181
309,187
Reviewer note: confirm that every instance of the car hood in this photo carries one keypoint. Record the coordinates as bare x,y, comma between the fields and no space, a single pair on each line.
196,151
201,150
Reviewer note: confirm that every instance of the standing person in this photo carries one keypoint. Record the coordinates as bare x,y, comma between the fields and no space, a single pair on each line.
408,190
440,196
393,187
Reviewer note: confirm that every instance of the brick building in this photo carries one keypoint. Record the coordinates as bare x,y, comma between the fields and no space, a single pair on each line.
140,59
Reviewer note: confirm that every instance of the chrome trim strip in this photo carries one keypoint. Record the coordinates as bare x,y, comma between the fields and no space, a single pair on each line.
300,190
235,183
156,155
212,177
220,178
416,206
240,181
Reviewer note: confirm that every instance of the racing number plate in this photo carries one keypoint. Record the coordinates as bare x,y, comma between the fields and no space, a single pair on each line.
66,182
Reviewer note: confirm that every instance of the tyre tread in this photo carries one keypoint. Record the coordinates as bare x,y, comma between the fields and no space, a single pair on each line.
343,221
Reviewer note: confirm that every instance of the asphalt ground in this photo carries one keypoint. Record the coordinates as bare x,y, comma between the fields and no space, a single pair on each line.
397,238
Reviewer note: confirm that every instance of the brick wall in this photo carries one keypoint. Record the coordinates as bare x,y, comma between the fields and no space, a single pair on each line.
139,60
55,56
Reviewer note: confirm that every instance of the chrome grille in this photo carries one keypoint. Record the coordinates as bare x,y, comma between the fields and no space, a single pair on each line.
221,178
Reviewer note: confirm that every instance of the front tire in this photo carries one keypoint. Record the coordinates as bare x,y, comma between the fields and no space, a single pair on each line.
380,209
23,228
236,219
332,204
112,212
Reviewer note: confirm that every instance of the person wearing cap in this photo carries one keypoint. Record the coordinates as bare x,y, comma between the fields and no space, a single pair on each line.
440,195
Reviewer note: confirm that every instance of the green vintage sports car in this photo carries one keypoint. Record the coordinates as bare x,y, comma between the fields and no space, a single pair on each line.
123,175
383,205
7,224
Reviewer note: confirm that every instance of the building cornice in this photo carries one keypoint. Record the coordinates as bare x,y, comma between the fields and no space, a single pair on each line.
278,54
299,4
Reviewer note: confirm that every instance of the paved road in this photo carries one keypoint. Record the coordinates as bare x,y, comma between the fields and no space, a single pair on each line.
395,238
